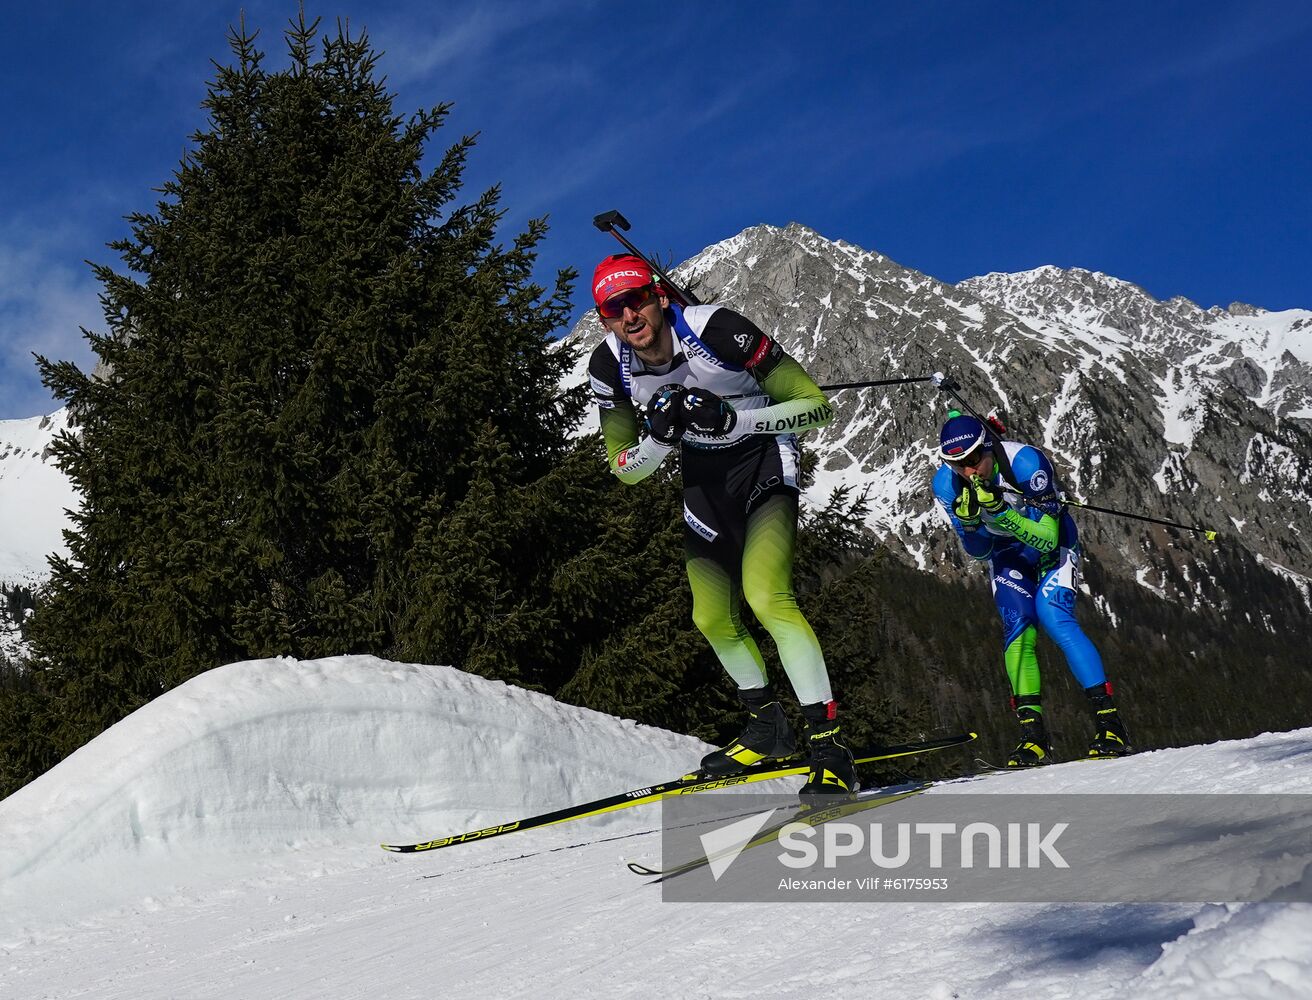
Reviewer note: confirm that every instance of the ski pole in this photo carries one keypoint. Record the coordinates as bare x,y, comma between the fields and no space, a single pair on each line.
1208,533
949,385
835,387
612,222
881,381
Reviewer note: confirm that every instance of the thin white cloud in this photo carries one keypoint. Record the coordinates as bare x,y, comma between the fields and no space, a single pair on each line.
592,154
1250,32
426,40
45,299
413,55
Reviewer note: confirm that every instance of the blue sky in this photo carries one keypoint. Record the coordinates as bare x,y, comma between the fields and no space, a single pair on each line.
1169,146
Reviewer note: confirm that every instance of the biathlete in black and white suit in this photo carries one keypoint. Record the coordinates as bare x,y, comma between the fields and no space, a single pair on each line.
670,371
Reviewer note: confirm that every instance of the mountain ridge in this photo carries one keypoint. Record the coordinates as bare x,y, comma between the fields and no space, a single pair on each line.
1145,405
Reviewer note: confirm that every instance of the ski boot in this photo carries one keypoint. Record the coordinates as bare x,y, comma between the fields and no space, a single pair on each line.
833,772
1035,747
768,736
1111,740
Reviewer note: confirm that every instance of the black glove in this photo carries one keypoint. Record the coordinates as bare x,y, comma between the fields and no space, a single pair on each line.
663,414
706,413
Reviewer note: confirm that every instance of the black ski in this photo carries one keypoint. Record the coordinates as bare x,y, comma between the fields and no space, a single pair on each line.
991,767
807,815
686,785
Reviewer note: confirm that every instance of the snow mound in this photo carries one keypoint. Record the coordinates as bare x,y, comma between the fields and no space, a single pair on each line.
273,754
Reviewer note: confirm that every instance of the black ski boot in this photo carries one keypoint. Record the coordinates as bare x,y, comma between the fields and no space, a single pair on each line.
833,771
768,736
1035,747
1111,740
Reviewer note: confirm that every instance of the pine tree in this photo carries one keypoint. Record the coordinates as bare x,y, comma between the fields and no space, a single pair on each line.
311,359
646,660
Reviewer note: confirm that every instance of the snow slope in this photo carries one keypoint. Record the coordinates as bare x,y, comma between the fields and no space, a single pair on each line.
222,842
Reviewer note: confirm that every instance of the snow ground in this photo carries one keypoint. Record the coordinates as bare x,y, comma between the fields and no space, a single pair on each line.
222,842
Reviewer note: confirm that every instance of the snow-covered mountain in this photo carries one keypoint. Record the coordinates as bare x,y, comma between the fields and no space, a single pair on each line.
1265,355
34,498
1158,408
223,842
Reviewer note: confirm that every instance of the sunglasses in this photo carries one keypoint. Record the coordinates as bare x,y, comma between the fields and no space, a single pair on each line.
634,298
967,460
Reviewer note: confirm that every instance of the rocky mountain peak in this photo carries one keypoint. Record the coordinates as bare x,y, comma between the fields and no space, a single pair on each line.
1131,396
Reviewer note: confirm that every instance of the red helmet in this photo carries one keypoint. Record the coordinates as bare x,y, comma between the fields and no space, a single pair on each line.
620,272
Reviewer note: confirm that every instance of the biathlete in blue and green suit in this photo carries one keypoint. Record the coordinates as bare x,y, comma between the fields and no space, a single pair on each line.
1003,500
